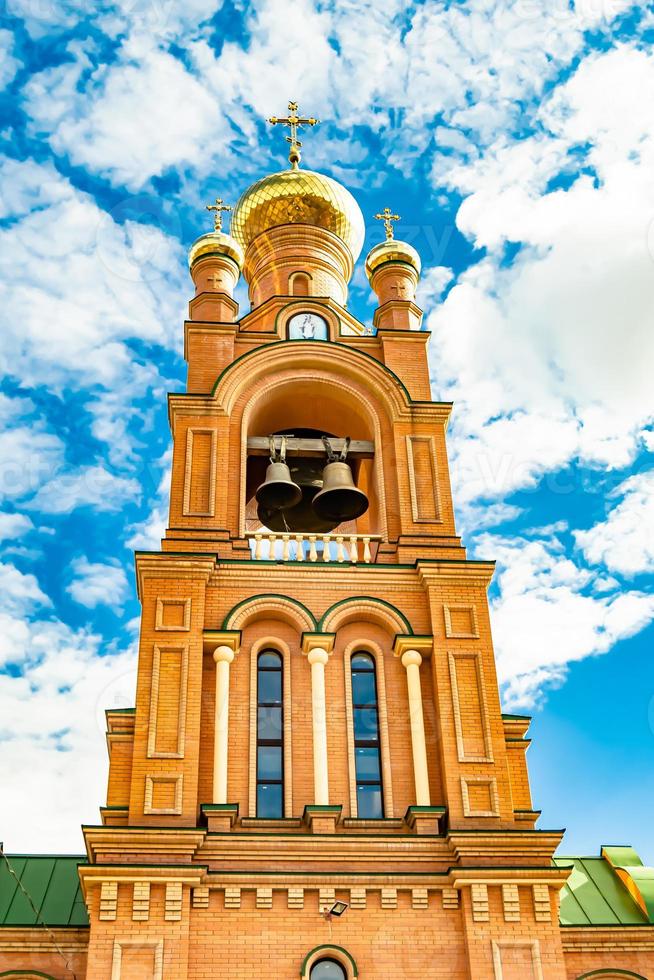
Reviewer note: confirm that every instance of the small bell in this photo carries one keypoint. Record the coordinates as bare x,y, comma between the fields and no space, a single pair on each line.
340,499
278,491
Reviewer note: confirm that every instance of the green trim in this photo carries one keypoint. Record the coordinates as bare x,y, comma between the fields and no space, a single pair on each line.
366,598
328,344
516,717
117,711
610,971
27,973
267,595
328,946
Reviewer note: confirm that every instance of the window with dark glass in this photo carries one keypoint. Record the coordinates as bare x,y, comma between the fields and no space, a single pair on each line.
366,737
270,735
327,970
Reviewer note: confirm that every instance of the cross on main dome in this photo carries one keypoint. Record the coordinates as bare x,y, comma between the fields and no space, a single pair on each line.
293,121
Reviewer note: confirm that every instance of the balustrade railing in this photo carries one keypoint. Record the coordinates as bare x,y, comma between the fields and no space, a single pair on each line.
353,548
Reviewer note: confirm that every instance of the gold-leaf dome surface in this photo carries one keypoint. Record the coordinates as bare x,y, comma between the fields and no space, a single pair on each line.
216,243
298,197
392,250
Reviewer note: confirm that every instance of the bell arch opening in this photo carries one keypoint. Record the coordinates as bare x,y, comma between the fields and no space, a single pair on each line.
345,499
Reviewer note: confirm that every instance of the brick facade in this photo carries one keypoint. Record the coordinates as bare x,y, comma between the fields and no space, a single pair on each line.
182,885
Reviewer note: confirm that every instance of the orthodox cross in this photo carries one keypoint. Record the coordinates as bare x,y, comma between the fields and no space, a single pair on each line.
293,121
388,218
218,208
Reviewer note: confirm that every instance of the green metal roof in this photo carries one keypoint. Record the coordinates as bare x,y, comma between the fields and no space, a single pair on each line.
53,885
594,895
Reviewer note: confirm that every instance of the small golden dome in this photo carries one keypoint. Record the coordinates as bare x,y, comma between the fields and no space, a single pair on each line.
392,251
298,197
216,243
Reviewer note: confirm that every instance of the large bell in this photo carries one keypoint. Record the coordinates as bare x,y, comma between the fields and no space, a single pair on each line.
306,473
278,491
339,500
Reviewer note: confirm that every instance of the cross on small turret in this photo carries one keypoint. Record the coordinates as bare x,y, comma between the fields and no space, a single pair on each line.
293,121
218,209
388,218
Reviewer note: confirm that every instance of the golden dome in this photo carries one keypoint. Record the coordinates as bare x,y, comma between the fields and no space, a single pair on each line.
216,242
392,251
298,197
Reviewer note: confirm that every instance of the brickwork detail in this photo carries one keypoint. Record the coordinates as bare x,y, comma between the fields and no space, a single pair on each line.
542,906
174,899
326,898
480,909
511,902
141,901
358,898
108,901
200,897
389,898
419,898
264,898
450,897
296,898
232,898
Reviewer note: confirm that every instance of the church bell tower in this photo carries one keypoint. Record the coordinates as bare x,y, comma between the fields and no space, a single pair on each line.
317,780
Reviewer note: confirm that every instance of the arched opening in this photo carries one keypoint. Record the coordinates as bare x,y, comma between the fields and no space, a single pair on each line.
327,970
308,409
270,735
367,749
299,284
329,962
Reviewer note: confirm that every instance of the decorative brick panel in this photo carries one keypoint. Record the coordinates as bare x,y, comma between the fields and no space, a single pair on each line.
141,901
479,895
108,901
174,897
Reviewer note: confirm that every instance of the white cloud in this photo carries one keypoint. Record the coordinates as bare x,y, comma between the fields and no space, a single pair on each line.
624,542
137,117
14,526
147,535
51,716
20,592
28,458
93,486
9,65
546,616
97,583
548,356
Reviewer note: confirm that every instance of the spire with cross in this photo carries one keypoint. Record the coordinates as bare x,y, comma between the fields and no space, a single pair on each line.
293,121
218,209
388,218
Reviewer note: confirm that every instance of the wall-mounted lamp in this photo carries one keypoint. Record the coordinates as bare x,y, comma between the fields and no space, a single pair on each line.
337,909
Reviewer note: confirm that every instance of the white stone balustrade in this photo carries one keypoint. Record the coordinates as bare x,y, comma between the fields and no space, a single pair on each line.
353,548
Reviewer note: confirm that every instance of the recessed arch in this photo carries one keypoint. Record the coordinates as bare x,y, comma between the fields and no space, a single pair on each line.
328,951
27,973
269,357
365,607
608,973
272,605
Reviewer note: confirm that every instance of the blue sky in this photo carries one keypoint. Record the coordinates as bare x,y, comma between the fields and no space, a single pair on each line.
516,140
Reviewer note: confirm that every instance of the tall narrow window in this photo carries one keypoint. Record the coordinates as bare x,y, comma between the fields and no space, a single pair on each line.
366,737
270,735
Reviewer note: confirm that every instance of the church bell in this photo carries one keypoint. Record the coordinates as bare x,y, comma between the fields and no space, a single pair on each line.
305,497
278,491
340,499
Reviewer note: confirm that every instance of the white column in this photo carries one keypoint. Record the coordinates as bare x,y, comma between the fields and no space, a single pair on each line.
411,660
318,658
223,657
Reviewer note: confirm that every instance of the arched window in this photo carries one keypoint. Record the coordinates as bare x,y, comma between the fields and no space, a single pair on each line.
367,758
299,282
270,735
327,970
